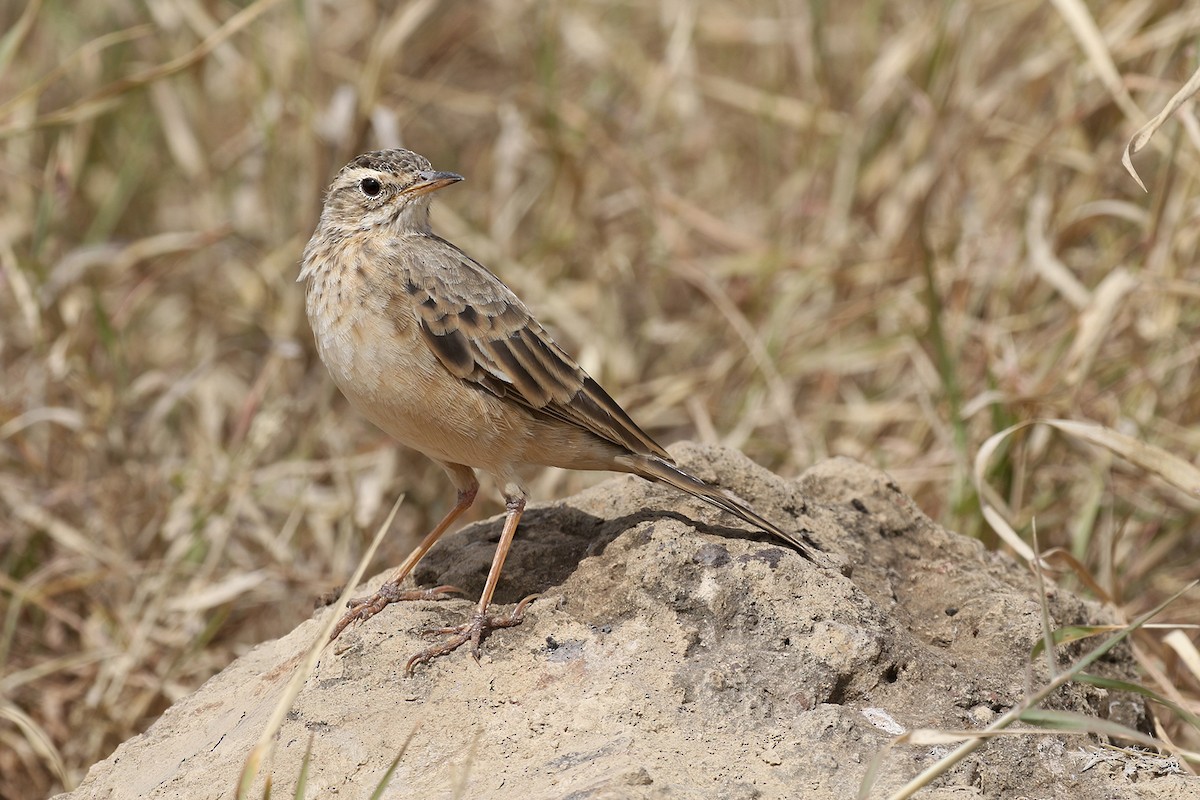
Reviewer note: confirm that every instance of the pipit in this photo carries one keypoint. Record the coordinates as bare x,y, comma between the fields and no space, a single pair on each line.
429,345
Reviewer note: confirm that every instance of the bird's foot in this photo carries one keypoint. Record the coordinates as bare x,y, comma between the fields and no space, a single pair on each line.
473,631
363,608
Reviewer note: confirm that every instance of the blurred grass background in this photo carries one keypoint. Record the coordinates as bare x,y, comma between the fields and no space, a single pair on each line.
879,230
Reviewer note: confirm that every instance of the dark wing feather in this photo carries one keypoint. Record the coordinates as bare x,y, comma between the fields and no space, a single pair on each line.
483,334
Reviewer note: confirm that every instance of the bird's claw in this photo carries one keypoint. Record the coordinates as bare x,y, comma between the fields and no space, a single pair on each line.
473,630
362,609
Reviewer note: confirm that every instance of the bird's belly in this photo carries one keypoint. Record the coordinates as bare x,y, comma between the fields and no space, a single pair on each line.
410,396
461,431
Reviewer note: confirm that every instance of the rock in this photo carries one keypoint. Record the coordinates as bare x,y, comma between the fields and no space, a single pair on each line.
672,654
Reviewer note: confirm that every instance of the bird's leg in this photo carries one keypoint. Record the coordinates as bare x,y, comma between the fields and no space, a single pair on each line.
481,623
363,608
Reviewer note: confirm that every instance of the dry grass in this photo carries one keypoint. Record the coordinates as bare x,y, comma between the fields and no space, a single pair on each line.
883,231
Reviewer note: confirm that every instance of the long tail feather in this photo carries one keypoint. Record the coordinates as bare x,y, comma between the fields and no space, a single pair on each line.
656,469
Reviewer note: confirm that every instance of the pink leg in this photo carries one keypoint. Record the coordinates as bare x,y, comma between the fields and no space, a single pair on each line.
481,623
363,608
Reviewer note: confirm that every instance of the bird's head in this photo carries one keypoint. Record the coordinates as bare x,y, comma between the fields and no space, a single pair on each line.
384,188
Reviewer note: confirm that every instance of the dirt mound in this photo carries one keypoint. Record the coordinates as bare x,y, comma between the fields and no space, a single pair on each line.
671,655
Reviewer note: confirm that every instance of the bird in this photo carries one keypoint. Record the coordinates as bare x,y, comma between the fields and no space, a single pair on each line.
435,350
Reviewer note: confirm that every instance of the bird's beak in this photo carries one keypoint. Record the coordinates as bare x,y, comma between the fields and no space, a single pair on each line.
430,181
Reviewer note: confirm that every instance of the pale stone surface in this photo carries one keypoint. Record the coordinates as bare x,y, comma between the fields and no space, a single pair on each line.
673,655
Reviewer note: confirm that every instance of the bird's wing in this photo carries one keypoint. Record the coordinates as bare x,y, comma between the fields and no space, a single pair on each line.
483,334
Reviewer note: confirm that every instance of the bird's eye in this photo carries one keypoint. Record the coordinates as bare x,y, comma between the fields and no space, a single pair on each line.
370,187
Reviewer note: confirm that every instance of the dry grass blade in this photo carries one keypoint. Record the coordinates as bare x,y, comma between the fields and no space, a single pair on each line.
1068,634
787,110
1155,460
1096,322
10,43
67,417
1081,22
89,51
18,284
461,782
12,681
1042,256
1115,685
105,99
781,396
37,738
1077,568
262,750
1044,608
1145,133
990,503
68,536
1168,466
302,778
405,21
1182,644
1074,722
386,778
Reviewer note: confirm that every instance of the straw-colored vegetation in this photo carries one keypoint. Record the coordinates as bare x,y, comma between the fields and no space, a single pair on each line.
886,231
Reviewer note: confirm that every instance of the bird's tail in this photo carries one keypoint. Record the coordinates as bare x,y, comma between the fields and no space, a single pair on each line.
657,469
